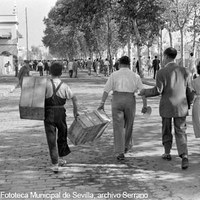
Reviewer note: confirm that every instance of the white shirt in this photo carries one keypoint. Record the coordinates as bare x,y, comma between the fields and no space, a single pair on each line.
192,64
63,92
123,80
70,66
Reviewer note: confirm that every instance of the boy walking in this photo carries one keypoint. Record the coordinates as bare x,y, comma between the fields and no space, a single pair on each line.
57,93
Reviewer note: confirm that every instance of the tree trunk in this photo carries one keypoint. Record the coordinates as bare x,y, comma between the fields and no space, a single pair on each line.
182,63
170,38
161,48
109,37
139,44
130,51
195,32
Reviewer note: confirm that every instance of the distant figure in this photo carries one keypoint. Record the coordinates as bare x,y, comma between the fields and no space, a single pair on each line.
75,69
156,66
16,67
97,66
134,65
40,68
70,68
192,66
24,71
89,66
106,67
46,67
149,65
8,67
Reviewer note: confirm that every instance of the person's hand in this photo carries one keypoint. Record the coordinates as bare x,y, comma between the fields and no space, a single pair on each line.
142,92
76,114
144,110
101,106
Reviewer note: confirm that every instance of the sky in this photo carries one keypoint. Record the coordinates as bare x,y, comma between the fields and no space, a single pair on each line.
36,11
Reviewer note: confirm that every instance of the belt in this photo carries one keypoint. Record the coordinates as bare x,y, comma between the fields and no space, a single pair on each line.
54,106
116,92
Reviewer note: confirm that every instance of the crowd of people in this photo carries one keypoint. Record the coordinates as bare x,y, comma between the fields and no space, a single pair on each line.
72,66
177,95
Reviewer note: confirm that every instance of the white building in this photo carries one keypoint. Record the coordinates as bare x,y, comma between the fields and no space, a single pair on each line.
8,40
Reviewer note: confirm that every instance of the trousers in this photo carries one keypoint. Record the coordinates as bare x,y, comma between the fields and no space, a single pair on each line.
56,133
123,114
180,134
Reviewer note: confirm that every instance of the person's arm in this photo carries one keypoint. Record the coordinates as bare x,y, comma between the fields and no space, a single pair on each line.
108,87
103,100
75,107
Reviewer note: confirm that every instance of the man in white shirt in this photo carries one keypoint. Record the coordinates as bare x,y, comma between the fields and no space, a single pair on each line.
124,83
192,65
40,68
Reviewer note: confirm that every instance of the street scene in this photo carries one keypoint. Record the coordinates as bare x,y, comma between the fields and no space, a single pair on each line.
100,99
91,169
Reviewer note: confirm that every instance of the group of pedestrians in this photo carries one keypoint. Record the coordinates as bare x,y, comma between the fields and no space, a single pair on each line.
149,64
173,84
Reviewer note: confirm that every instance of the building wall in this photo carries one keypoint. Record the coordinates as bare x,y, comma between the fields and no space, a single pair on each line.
8,25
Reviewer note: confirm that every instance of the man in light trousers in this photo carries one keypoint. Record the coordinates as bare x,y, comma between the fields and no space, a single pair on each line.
124,83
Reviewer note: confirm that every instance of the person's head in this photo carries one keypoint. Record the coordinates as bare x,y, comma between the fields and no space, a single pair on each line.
124,61
191,54
26,62
156,57
56,69
198,68
169,55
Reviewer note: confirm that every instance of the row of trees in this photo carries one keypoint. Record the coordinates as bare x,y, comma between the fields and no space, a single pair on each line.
81,28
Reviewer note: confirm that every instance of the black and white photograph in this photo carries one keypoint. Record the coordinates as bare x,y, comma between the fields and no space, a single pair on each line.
100,99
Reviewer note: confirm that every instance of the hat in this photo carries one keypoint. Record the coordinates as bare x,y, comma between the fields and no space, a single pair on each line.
148,112
56,69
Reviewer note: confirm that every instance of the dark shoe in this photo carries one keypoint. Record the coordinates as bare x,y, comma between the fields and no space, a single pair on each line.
121,157
166,157
55,168
126,150
185,163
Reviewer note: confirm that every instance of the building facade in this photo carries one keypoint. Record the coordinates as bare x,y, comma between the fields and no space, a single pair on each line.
8,41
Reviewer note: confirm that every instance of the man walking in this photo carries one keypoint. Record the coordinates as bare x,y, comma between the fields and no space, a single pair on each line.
89,66
155,65
124,83
171,83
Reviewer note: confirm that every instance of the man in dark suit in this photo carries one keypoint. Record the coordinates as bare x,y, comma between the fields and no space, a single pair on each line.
156,66
171,84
